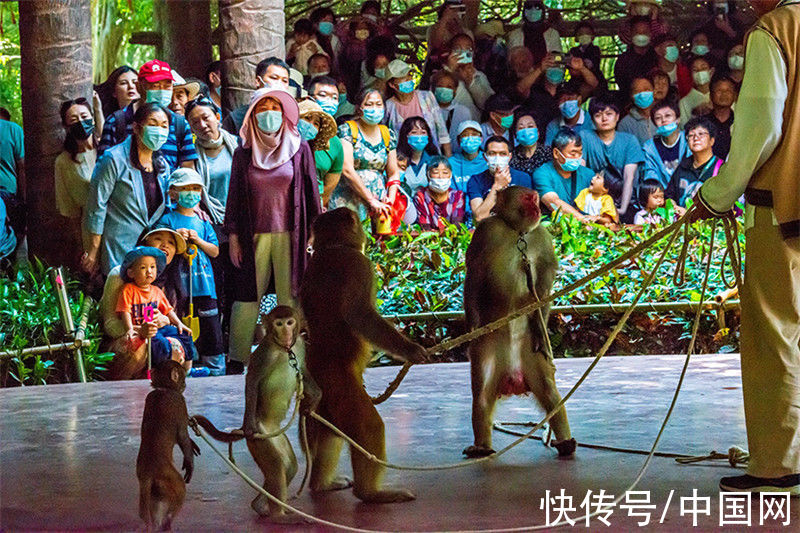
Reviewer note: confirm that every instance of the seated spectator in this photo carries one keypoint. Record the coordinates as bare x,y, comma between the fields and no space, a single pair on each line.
415,142
723,96
639,58
444,86
572,116
213,79
439,203
637,121
662,90
319,65
270,72
407,101
723,28
669,62
118,91
498,115
535,34
597,202
529,152
324,21
155,83
469,160
128,190
618,154
74,166
698,101
559,181
319,130
736,65
651,196
302,45
664,152
701,165
482,188
215,148
473,86
589,53
643,9
183,92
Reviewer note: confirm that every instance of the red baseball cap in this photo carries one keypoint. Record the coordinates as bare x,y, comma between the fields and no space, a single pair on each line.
154,71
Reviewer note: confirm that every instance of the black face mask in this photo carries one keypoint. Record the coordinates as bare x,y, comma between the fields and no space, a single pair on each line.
82,129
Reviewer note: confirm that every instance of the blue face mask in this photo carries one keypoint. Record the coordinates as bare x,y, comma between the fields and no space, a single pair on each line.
667,129
269,121
672,54
328,105
325,27
418,142
555,75
643,100
570,164
154,137
159,96
406,87
372,115
569,109
307,130
527,136
189,199
470,144
700,49
444,95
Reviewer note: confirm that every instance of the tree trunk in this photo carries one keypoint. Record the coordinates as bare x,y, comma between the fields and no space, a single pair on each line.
251,30
185,28
56,48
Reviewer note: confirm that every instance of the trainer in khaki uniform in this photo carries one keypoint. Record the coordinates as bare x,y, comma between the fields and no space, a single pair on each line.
764,165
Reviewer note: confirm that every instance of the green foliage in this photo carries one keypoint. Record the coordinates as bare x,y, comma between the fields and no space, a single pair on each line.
10,60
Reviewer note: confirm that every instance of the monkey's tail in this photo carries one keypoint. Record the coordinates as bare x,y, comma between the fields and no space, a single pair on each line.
215,433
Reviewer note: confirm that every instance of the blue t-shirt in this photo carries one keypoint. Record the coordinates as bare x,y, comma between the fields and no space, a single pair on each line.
12,149
625,149
546,179
202,274
479,185
8,241
464,169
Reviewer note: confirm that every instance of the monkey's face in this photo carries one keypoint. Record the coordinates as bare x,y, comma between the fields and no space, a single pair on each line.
519,208
284,332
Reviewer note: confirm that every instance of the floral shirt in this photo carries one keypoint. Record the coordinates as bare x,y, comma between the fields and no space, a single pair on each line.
540,156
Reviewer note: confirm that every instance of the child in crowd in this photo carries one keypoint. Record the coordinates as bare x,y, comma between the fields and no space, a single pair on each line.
139,298
186,190
597,200
302,46
651,196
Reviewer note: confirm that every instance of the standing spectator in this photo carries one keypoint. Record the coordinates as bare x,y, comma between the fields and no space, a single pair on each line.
155,84
665,151
723,29
213,79
560,181
439,203
416,144
74,166
324,22
535,34
491,54
272,200
618,154
662,90
448,25
302,45
453,114
736,65
572,116
469,160
354,51
473,86
639,58
482,188
408,101
325,92
669,62
637,122
8,241
319,130
643,9
128,190
13,183
118,91
542,95
698,101
529,152
183,92
271,72
498,116
723,96
370,177
695,170
589,53
319,65
375,68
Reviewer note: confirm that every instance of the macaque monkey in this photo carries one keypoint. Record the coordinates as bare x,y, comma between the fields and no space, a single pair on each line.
338,301
164,424
270,385
514,359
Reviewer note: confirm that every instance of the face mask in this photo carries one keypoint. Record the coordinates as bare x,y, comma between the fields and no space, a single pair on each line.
418,142
642,10
444,95
159,96
570,164
439,184
533,14
82,129
464,57
702,77
371,17
527,136
380,73
507,121
154,137
269,121
325,27
188,199
672,53
641,40
330,106
643,100
569,109
584,40
315,74
700,49
667,129
470,144
362,35
555,75
497,162
307,130
406,87
736,62
372,115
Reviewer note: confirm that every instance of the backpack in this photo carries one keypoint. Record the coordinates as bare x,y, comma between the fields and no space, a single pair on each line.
384,133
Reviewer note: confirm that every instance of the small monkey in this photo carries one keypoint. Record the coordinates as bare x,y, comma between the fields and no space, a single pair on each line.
164,424
270,385
515,359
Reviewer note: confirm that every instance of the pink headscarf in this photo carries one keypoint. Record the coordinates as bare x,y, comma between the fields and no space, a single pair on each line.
271,150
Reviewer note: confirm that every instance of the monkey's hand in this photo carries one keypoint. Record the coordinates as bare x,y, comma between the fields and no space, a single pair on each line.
310,401
249,427
195,448
415,354
188,467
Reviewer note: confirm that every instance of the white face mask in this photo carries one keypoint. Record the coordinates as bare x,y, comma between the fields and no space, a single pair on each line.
439,184
497,162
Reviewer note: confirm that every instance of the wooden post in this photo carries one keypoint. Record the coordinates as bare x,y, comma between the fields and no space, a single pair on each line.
56,48
250,30
185,28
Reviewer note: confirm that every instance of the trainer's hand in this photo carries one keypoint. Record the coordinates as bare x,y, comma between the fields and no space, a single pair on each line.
699,212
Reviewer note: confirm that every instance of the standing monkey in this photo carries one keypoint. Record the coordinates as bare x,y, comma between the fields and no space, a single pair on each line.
514,359
164,424
338,300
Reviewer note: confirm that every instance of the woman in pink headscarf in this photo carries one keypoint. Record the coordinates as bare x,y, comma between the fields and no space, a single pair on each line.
272,200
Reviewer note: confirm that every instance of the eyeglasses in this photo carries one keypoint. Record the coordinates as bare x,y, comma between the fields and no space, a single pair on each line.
697,135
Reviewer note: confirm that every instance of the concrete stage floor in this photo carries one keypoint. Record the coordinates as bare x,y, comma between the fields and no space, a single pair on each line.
68,452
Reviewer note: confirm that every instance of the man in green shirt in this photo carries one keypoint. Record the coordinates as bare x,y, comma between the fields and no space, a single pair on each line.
319,129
